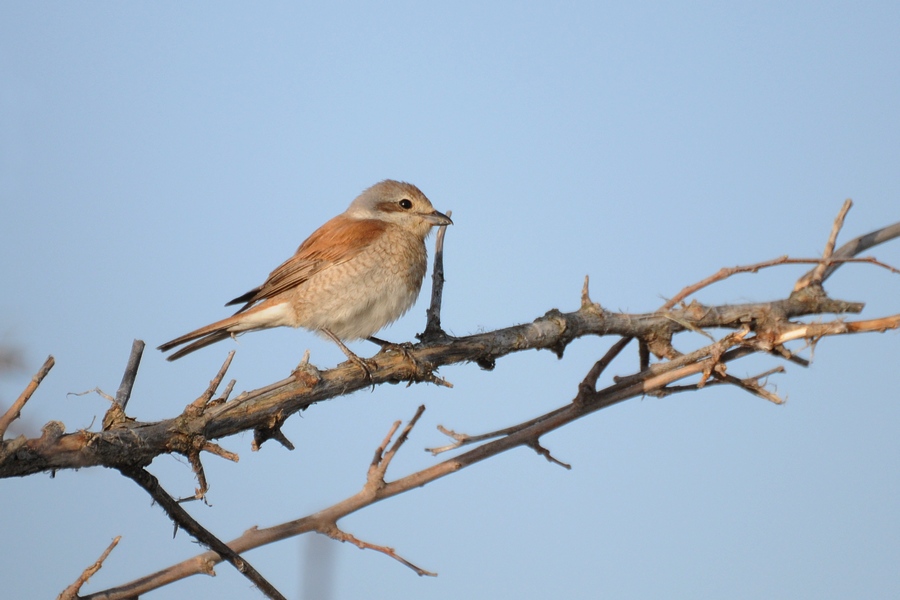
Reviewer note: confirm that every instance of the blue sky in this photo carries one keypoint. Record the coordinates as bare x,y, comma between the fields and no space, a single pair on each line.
157,160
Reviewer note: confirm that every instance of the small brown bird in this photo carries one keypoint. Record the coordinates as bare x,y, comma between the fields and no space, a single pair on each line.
357,273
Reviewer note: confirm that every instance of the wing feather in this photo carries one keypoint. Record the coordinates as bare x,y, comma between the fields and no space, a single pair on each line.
335,242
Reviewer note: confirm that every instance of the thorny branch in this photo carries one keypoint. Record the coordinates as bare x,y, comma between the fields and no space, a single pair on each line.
180,516
764,327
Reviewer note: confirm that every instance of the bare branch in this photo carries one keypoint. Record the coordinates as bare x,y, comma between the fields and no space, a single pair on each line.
750,384
115,415
816,276
590,380
723,273
433,329
655,379
342,536
214,384
856,246
753,386
379,452
182,519
536,446
15,410
462,439
814,331
138,443
726,272
753,328
71,592
404,435
131,369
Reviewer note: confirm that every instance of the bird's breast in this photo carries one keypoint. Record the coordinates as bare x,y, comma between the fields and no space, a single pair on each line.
356,298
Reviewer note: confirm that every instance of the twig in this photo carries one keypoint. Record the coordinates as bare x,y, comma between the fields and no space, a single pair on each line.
836,229
463,439
723,273
783,352
382,459
71,592
831,264
749,384
536,446
223,397
214,384
404,435
342,536
590,380
752,385
815,331
131,369
856,246
433,329
115,415
817,274
182,519
379,451
13,412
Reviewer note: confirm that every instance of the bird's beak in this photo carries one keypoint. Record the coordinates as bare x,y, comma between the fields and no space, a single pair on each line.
438,218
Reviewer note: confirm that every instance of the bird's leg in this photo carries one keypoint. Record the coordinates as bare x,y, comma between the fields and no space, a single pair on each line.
349,353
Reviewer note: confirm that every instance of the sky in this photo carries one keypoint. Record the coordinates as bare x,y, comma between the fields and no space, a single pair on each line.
158,159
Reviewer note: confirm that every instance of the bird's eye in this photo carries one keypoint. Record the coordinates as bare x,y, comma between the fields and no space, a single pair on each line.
405,204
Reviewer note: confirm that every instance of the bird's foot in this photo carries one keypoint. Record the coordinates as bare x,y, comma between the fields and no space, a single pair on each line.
402,348
421,370
359,362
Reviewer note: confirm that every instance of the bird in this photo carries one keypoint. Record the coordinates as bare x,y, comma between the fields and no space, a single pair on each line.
359,272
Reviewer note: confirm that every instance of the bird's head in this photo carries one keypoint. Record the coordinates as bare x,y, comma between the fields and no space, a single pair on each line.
400,203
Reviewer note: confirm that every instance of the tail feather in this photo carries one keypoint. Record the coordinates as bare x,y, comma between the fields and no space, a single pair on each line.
204,336
208,339
270,313
246,299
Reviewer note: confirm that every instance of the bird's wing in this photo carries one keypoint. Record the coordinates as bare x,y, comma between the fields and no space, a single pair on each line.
335,242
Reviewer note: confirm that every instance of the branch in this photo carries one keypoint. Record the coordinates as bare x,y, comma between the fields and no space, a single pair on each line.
656,379
182,519
763,327
343,536
15,410
324,522
116,413
206,396
854,247
71,592
131,443
816,276
131,369
433,329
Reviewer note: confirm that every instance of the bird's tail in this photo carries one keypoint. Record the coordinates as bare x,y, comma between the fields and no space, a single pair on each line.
272,312
204,336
